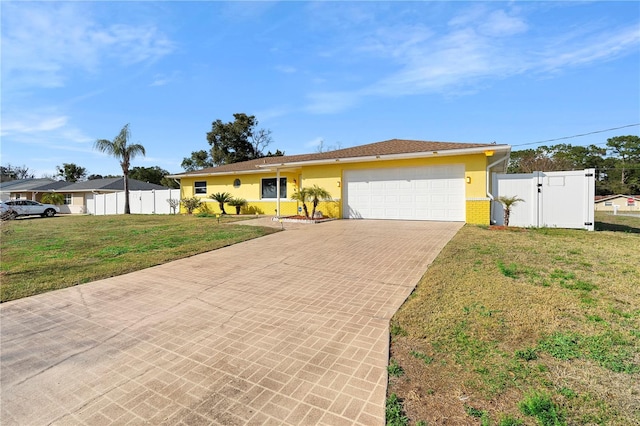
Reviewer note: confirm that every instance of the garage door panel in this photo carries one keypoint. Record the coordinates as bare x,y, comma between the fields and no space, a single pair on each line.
424,193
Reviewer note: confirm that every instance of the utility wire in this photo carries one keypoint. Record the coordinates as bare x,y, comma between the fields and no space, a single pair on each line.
577,136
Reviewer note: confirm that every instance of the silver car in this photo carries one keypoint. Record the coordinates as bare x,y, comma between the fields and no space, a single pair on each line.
28,208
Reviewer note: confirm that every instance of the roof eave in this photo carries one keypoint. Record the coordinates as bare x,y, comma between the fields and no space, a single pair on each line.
230,172
402,156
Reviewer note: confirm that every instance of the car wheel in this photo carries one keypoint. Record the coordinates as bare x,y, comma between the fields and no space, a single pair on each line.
49,213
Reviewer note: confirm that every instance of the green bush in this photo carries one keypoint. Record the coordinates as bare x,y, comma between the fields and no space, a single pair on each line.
539,405
53,198
191,204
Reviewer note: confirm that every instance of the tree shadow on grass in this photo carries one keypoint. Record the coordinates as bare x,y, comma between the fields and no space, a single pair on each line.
604,226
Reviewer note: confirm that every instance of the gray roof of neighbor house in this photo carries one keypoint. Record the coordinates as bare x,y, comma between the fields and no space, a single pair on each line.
50,185
110,184
379,149
31,185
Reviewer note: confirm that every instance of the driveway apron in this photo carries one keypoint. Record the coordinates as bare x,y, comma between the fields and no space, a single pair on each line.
291,328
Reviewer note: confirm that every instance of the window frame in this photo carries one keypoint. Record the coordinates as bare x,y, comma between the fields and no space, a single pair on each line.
70,201
200,189
283,188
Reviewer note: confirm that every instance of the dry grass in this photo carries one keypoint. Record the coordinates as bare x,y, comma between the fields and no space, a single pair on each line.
39,255
499,310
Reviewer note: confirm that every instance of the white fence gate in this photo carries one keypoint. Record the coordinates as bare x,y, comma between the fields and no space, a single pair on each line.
140,202
551,199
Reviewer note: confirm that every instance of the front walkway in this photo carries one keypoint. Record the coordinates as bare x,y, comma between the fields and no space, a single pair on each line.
291,328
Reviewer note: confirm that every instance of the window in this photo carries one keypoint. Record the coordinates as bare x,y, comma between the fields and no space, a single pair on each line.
608,203
67,199
631,202
201,187
237,183
269,188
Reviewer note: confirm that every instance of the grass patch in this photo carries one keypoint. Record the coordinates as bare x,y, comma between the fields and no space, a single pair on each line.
609,349
540,406
394,369
394,412
426,358
39,255
506,312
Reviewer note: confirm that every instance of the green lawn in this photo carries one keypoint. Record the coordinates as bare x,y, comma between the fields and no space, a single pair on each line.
529,326
39,255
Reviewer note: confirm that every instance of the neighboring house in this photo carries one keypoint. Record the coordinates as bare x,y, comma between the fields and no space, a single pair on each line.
29,189
75,194
395,179
619,202
78,194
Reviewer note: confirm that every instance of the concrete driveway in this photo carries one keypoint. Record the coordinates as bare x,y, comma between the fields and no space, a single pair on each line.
291,328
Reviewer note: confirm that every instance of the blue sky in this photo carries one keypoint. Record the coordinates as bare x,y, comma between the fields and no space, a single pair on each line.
347,73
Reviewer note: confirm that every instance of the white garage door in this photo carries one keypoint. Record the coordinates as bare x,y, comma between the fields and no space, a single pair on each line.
417,193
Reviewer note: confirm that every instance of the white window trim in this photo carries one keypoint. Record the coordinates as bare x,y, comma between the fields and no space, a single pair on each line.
282,196
199,190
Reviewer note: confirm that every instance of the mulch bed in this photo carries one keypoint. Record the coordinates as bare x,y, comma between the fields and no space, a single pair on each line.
506,228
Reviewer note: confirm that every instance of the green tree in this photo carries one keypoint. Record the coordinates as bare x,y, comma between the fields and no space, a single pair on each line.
317,194
9,172
302,196
221,198
71,172
124,152
198,160
238,140
627,150
153,174
94,177
278,153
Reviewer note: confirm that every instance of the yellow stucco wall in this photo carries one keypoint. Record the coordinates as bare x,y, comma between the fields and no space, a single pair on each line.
330,177
479,212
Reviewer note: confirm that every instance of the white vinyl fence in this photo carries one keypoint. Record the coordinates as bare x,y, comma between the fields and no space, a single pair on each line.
551,199
140,202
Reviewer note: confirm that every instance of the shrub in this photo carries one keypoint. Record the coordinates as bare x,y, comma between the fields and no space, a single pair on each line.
238,203
190,204
53,198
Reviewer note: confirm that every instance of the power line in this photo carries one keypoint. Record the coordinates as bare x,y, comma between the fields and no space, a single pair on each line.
577,136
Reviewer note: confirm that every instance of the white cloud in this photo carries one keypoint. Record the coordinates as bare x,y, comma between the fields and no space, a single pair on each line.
331,102
43,43
314,143
32,124
479,45
287,69
587,49
499,24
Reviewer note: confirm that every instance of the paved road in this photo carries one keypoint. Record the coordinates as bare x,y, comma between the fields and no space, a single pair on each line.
291,328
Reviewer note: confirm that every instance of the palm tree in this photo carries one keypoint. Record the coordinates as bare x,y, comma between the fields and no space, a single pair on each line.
221,198
238,203
508,203
302,195
119,149
317,194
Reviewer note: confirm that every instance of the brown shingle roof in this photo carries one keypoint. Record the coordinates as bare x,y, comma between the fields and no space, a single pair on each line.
390,147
